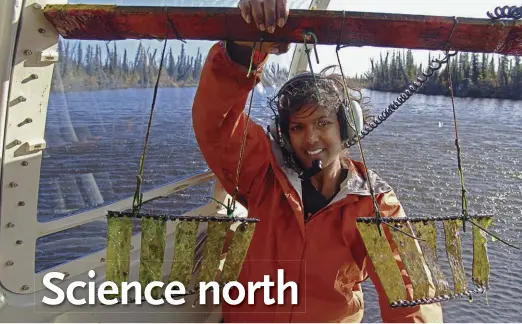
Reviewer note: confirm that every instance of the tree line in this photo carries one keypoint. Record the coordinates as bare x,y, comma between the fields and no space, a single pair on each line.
85,68
472,75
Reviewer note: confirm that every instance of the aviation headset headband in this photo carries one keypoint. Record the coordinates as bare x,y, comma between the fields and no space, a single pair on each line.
348,127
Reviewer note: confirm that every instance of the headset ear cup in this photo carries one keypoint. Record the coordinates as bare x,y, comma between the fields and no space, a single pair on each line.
277,135
354,126
287,144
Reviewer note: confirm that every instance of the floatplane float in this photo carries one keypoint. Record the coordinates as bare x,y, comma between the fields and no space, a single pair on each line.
29,34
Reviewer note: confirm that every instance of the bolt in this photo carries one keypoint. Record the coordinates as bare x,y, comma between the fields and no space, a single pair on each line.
21,203
34,76
10,225
17,142
13,184
66,274
19,242
25,287
28,52
28,120
102,260
25,163
37,6
41,30
9,263
22,99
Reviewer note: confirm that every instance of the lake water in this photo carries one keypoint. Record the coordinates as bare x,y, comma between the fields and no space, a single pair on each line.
95,141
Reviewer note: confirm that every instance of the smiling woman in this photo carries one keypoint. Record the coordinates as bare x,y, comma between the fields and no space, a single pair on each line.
306,199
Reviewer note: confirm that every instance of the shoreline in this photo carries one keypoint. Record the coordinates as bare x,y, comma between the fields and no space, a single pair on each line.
194,85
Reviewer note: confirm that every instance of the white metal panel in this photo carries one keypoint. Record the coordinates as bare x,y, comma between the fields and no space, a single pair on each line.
25,126
29,308
9,21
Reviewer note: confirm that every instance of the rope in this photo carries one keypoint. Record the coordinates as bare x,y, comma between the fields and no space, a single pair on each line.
370,187
138,195
307,51
465,215
232,205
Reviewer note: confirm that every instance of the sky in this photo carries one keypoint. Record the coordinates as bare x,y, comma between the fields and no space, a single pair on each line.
355,60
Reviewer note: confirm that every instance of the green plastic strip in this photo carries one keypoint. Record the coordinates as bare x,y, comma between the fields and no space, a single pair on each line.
152,251
428,232
383,260
237,252
412,260
454,253
480,253
212,251
184,249
119,235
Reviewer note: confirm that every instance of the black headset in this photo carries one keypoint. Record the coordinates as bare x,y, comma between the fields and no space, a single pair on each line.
348,127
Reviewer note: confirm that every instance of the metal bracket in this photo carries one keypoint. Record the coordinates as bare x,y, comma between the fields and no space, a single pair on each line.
48,56
31,147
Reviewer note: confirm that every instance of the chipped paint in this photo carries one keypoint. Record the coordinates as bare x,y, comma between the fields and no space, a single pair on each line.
109,22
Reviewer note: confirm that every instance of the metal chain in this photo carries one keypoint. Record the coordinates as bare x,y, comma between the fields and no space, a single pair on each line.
200,218
417,219
431,300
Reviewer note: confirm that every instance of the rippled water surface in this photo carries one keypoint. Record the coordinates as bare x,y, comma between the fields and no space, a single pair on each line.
95,139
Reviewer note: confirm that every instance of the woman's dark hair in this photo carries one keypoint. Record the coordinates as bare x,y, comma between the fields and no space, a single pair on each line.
324,89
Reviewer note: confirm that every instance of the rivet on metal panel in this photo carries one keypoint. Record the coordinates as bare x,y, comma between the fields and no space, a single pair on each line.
26,121
19,242
25,163
13,184
66,274
41,31
102,260
28,52
17,142
30,78
25,287
9,263
22,99
21,203
10,225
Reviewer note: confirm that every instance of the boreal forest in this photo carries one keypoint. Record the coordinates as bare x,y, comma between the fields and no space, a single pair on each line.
95,67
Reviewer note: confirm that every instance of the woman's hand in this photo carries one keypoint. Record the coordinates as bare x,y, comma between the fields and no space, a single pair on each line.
267,15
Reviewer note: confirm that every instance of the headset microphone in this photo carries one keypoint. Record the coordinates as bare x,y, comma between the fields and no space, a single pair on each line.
310,172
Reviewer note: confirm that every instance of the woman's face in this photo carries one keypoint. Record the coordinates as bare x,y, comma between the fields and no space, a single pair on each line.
315,135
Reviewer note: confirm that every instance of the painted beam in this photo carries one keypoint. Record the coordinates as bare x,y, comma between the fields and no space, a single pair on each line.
108,22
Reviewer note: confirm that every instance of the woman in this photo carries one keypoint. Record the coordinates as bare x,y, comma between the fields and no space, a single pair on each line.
307,217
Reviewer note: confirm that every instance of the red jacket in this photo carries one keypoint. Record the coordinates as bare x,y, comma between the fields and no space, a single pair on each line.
325,256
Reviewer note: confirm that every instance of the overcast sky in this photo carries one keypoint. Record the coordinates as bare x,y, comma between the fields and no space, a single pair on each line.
354,60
